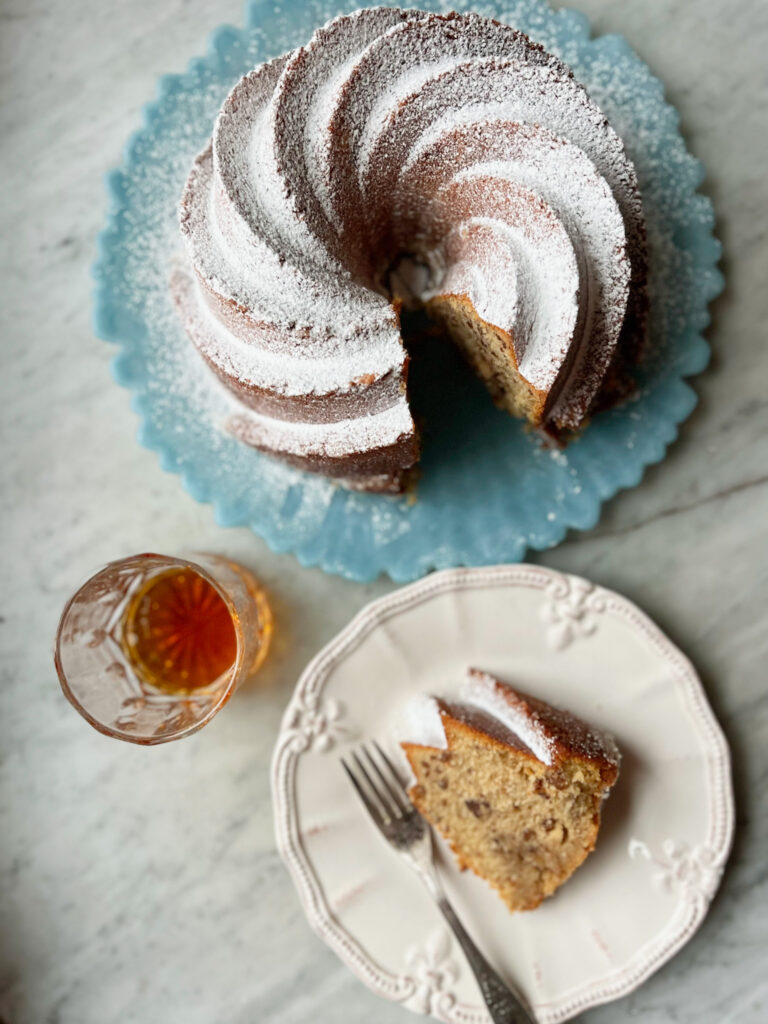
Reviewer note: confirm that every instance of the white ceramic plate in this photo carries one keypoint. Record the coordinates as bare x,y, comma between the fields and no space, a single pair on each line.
666,829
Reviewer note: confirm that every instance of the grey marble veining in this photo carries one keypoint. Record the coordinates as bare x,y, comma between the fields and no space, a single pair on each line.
143,885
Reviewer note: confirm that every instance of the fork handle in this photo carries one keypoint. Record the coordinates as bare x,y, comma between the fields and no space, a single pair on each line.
503,1005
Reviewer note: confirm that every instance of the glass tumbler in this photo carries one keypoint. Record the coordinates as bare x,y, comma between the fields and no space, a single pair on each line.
151,647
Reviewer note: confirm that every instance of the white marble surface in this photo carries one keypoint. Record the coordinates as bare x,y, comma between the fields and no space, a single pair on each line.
143,885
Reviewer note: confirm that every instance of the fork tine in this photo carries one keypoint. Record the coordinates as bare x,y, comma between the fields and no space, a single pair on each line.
391,809
399,787
371,807
394,793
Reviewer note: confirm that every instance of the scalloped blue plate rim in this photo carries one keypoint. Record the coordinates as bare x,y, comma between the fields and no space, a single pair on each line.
123,370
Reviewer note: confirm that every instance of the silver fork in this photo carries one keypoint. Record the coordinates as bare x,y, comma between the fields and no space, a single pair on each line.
388,803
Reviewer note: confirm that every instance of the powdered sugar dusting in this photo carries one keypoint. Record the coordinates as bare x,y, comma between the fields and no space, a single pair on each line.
547,732
289,372
331,440
481,691
422,722
534,253
283,217
566,178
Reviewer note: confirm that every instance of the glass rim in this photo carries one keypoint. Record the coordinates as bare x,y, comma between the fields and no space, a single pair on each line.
235,670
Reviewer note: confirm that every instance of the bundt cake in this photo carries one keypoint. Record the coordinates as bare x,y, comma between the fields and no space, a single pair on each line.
514,785
399,157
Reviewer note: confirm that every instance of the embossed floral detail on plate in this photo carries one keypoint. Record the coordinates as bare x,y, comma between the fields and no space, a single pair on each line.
571,610
692,871
432,972
318,725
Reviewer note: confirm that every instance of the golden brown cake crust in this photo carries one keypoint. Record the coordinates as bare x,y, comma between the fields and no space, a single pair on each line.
564,734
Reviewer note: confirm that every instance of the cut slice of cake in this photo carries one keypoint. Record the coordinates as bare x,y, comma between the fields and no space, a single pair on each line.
513,784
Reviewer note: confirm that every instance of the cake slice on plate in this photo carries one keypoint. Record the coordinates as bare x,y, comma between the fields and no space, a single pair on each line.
513,784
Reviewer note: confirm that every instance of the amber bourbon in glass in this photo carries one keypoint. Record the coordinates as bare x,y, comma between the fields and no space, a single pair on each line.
151,647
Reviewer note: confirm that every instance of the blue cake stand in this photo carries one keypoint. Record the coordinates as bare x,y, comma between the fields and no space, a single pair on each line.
488,491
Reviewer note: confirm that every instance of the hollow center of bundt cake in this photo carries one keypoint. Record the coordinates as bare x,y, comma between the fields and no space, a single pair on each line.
448,402
522,825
